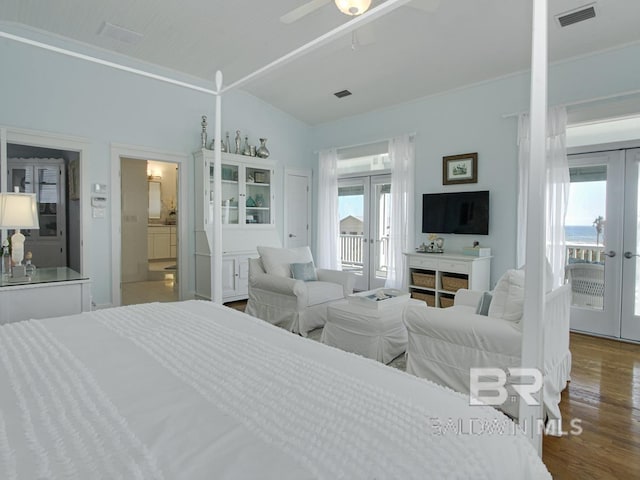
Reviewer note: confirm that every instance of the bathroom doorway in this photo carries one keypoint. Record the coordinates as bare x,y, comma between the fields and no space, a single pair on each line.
149,231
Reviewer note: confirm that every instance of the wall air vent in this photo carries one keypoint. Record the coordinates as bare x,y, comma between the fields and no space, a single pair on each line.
119,33
343,93
578,15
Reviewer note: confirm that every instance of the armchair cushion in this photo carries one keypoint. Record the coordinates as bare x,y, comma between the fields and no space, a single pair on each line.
508,297
277,261
322,292
484,303
304,271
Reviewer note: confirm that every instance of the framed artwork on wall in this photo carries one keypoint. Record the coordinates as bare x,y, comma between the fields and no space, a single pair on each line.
460,169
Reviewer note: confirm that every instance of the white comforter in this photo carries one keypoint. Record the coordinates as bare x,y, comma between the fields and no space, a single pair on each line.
192,390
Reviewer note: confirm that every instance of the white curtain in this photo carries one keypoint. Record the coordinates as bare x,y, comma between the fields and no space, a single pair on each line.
327,252
556,190
401,237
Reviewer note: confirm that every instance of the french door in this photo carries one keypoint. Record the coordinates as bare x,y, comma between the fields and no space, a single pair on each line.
364,207
603,243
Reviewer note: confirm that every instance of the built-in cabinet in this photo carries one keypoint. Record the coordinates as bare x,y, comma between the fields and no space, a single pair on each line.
435,278
161,242
235,276
248,219
45,178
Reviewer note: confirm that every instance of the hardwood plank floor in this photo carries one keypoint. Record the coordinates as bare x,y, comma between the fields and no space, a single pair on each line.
604,394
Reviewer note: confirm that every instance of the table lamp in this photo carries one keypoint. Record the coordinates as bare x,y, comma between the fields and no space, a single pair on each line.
18,210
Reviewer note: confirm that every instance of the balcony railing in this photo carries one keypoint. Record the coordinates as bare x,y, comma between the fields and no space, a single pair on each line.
585,252
352,253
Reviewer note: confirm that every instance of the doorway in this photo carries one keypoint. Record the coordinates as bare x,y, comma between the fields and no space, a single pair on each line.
149,192
603,243
365,216
297,205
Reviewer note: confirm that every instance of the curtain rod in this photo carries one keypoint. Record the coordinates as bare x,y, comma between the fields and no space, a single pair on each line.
413,134
581,102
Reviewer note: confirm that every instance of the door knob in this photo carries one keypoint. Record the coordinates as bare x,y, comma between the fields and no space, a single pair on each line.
630,255
291,235
610,253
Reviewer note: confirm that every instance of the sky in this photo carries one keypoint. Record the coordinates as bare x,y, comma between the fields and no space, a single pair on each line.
350,205
587,200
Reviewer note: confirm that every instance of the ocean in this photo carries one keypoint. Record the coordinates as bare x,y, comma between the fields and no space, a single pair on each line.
582,234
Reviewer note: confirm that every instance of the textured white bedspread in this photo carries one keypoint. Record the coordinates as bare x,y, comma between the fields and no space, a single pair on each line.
192,390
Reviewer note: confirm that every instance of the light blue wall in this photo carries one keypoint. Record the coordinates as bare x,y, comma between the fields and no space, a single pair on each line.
471,120
49,92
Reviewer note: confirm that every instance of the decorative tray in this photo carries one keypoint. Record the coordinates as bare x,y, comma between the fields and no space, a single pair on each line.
379,298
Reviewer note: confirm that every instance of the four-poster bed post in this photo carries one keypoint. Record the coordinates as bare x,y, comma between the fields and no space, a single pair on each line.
532,357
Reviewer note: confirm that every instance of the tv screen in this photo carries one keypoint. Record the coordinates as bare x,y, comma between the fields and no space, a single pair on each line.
462,212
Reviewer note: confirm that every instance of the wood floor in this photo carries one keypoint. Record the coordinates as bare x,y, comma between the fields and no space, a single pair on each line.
604,394
603,399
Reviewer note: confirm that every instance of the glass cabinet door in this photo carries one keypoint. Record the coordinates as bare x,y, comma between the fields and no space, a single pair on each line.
230,193
258,195
47,196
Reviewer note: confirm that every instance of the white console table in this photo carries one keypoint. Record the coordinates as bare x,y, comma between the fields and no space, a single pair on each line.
442,268
51,292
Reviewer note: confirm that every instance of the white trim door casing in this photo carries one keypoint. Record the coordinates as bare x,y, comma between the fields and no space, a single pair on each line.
141,153
59,142
297,207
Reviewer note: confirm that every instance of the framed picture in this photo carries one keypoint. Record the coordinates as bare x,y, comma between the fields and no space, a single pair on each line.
460,169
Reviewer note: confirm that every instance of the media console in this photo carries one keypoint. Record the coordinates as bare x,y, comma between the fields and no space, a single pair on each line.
436,277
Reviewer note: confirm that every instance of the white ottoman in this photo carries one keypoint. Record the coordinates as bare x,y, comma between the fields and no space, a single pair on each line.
377,334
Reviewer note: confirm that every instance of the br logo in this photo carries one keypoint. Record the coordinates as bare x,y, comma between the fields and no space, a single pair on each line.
487,385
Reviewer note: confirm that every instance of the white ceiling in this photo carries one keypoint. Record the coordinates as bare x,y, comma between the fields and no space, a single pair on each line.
404,55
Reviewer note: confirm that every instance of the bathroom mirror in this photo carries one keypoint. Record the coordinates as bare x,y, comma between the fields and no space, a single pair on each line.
155,205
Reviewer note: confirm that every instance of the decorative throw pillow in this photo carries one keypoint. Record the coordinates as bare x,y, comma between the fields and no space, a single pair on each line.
484,303
277,261
508,297
304,271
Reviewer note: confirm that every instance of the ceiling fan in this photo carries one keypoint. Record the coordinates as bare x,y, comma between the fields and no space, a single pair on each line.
313,5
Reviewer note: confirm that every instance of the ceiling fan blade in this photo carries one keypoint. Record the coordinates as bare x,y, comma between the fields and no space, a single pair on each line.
428,6
303,10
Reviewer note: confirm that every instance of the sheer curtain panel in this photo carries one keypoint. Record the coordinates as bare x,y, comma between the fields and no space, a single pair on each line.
327,253
556,189
401,237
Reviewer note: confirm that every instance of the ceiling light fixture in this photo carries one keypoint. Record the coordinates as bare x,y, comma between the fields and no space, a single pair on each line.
353,7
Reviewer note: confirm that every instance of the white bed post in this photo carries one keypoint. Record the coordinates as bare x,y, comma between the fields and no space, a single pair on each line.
217,196
532,334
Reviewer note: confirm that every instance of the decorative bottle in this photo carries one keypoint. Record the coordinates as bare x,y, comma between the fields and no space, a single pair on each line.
247,147
6,260
262,150
203,134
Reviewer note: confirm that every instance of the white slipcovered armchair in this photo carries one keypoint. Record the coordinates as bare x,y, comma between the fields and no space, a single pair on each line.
444,344
294,304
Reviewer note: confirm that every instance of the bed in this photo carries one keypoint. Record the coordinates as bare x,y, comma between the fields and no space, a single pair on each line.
193,390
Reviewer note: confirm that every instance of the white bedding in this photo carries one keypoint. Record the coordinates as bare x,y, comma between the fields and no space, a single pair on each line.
193,390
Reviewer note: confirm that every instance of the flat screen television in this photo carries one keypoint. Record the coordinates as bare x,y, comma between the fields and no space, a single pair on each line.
461,212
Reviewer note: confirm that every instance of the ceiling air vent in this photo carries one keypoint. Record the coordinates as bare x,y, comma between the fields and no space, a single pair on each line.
119,33
578,15
343,93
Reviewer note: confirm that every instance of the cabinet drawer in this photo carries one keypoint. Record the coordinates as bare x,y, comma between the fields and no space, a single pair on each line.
453,267
429,263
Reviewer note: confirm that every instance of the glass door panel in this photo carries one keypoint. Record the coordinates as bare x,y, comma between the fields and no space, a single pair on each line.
47,197
630,321
230,193
593,236
380,229
258,195
352,244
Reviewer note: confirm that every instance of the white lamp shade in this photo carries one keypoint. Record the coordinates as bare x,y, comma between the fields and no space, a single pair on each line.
353,7
18,210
